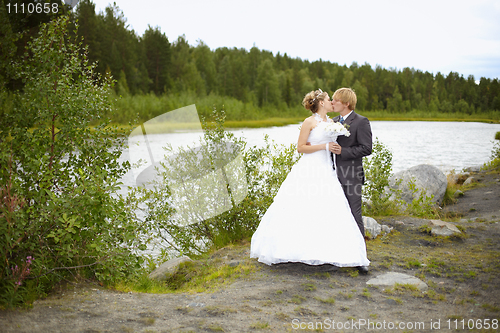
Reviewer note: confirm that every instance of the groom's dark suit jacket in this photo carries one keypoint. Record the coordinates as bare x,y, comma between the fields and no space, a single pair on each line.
349,163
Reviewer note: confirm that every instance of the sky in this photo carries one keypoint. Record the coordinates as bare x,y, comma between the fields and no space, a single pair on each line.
427,35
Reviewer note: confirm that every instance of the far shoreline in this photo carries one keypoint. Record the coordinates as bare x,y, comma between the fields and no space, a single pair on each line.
277,122
290,121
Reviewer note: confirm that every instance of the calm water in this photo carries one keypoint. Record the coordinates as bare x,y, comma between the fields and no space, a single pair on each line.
446,145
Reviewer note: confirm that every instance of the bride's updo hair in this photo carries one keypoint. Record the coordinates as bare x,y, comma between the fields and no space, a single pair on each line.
311,100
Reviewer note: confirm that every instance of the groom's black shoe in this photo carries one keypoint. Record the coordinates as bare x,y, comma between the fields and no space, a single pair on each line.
363,269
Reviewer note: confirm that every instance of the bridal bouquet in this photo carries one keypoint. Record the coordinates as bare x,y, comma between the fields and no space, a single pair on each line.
334,129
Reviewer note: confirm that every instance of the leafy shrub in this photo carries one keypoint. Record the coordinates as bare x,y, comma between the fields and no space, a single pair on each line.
377,198
421,205
265,169
494,162
59,214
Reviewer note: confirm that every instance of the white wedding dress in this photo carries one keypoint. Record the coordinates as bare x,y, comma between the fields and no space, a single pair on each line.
310,220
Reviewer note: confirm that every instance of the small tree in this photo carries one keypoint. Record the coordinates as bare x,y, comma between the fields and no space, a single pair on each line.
376,192
58,205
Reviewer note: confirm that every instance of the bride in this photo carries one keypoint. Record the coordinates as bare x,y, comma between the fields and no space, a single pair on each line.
310,220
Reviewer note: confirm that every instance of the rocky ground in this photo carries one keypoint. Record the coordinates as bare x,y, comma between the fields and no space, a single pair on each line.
462,275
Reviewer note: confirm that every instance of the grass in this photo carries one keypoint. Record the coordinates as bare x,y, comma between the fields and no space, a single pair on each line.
194,276
416,115
297,299
215,328
309,287
491,308
260,325
345,295
329,300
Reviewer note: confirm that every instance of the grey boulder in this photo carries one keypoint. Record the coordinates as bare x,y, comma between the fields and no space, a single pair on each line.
425,177
390,279
168,268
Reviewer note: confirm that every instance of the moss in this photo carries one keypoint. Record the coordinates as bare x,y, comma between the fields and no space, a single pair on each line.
309,287
297,299
398,300
260,325
354,273
215,328
491,308
425,229
329,300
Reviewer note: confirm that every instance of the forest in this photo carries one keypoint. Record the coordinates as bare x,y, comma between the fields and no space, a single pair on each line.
154,74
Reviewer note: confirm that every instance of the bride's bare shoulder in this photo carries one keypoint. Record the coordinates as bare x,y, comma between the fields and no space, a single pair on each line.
310,120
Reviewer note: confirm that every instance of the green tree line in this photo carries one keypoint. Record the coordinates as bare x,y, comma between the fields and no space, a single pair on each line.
152,64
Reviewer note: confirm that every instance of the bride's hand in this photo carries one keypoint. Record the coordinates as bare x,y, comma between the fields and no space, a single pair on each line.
334,148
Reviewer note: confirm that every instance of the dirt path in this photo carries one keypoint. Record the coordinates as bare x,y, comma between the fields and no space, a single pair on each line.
463,276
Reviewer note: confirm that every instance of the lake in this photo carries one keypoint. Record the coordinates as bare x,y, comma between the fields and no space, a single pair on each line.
446,145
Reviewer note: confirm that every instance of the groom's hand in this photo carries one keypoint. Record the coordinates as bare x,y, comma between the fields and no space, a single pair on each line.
334,148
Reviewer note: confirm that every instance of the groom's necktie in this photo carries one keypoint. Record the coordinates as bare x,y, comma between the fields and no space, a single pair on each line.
341,120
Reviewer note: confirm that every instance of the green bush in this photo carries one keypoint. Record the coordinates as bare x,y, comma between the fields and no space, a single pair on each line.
59,214
376,192
421,205
494,162
265,169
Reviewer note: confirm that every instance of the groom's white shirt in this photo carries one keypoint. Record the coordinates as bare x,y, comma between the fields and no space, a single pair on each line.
347,115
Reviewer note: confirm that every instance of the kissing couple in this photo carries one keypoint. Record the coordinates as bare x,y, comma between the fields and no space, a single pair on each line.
315,217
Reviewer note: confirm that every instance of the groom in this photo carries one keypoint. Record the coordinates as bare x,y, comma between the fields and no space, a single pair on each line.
349,151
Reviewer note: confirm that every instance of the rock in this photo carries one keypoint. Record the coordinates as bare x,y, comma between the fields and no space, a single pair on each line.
233,263
426,178
458,194
386,229
372,228
470,180
168,268
391,278
442,228
390,301
476,168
